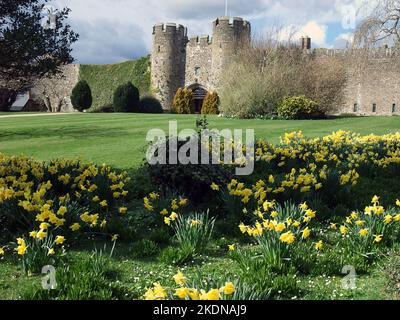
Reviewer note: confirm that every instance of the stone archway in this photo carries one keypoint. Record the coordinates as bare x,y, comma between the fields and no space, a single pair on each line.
199,93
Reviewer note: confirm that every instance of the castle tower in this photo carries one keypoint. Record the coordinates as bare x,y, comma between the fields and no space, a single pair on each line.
228,37
168,60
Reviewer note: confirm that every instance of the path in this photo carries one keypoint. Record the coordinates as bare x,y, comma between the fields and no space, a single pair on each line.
35,115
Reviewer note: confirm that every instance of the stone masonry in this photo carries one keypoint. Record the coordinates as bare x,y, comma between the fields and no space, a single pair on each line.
198,62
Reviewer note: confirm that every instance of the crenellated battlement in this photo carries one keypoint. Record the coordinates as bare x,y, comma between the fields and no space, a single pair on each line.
201,41
171,28
375,53
235,22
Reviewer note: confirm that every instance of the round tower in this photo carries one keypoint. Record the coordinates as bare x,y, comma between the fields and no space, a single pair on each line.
168,61
229,35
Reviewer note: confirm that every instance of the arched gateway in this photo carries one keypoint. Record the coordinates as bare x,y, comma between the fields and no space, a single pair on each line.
199,93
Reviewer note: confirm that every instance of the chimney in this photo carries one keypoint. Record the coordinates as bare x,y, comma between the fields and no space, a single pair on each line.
305,43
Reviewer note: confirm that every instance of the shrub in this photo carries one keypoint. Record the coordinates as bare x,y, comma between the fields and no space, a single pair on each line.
364,233
291,108
126,98
177,256
270,71
144,249
81,97
88,279
183,102
42,252
194,231
211,103
280,235
104,109
150,105
192,180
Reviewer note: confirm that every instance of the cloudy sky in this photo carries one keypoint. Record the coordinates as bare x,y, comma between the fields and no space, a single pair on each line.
117,30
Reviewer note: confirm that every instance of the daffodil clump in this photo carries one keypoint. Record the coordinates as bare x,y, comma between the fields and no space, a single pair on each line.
365,232
169,210
57,200
279,231
183,292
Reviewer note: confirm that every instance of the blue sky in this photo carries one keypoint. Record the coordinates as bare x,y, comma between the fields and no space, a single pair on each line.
112,31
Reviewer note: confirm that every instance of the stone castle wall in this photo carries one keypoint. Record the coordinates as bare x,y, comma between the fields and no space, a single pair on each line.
55,91
373,88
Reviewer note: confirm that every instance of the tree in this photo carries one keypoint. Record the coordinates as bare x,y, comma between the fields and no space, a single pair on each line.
81,97
183,102
126,98
211,103
29,50
382,25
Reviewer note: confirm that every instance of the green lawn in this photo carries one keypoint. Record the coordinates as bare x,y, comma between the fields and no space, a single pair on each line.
134,275
120,139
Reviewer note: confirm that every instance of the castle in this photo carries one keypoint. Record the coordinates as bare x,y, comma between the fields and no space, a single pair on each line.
199,62
372,88
196,63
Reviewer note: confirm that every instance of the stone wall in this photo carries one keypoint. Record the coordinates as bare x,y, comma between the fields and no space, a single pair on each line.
199,62
373,88
55,91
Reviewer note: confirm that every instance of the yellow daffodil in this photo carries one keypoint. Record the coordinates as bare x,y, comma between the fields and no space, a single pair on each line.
179,278
232,247
44,226
319,245
167,221
288,238
123,210
228,289
212,295
51,252
182,293
59,240
215,187
375,200
378,238
33,234
306,233
195,223
388,219
364,232
2,252
159,292
75,227
115,237
41,234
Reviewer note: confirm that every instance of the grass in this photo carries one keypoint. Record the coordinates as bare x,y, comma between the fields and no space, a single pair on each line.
135,275
104,79
120,139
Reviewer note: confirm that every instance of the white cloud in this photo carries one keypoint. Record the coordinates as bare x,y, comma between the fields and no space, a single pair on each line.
312,29
114,30
343,41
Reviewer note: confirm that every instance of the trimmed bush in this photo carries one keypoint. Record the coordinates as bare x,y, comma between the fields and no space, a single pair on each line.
150,105
211,103
81,97
126,98
299,107
183,102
